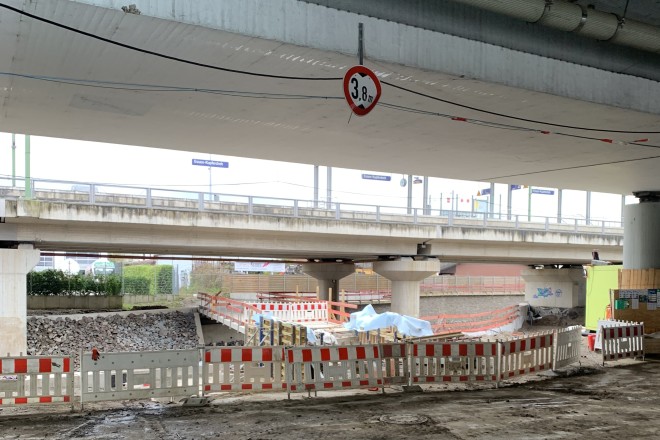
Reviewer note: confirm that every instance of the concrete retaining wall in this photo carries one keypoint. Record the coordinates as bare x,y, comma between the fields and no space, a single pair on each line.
74,302
435,305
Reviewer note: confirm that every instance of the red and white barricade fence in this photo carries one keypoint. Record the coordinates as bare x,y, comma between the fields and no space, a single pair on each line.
333,368
622,340
457,361
243,369
526,355
567,346
295,312
27,380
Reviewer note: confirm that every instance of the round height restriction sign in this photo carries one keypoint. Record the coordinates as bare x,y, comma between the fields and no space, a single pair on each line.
361,89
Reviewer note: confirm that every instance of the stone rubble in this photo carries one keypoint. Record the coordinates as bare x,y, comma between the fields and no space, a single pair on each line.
115,333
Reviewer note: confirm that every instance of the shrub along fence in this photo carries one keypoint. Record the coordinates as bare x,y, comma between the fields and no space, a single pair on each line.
129,280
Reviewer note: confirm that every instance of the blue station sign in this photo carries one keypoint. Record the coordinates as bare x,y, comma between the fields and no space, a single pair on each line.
545,192
376,177
210,163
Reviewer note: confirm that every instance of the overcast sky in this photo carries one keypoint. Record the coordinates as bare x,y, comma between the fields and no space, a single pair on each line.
70,160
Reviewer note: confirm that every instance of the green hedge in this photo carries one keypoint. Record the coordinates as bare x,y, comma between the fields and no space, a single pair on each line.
56,282
136,286
158,279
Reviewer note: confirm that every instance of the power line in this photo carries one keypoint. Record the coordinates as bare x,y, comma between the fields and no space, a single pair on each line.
158,54
573,167
502,115
136,87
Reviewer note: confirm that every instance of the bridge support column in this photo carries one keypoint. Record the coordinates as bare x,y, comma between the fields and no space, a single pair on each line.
328,276
641,232
14,266
405,275
564,288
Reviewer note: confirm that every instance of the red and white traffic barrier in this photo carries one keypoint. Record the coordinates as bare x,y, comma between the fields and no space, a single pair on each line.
36,380
460,361
243,369
333,368
526,355
295,312
622,340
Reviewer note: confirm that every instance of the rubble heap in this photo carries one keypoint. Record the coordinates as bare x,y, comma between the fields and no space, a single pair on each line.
113,333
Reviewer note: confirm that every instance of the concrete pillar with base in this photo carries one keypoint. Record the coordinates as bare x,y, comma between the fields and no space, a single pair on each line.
550,287
328,276
14,266
641,232
405,275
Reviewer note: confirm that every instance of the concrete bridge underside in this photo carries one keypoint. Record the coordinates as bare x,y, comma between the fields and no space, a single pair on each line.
423,52
85,228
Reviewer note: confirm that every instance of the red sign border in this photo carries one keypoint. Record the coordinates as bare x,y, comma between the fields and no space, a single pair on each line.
361,69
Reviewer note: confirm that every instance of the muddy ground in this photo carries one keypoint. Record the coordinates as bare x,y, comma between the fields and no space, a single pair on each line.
589,402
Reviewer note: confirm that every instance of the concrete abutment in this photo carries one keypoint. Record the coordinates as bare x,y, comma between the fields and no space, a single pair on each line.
14,267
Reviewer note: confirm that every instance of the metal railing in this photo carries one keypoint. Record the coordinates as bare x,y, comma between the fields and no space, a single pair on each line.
102,194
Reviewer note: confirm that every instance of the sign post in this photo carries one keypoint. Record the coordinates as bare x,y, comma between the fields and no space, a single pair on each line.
211,164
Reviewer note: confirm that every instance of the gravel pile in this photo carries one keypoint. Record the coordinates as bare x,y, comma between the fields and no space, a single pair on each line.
114,333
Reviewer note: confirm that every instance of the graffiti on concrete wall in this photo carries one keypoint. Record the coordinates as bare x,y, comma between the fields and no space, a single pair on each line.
547,292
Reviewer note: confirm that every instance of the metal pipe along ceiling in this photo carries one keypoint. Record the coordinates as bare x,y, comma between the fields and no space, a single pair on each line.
571,17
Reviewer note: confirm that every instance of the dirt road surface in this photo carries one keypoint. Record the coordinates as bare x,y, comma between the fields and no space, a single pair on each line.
590,403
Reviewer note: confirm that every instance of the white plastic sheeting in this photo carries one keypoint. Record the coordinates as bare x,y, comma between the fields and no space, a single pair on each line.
368,319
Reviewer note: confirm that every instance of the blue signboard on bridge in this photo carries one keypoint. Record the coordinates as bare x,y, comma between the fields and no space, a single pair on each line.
546,192
376,177
210,163
485,192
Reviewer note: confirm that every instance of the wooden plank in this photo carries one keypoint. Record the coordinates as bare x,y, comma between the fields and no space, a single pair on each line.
625,279
644,282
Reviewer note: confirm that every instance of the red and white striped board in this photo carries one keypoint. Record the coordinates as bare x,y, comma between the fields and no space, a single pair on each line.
333,368
459,361
624,340
526,355
243,369
27,380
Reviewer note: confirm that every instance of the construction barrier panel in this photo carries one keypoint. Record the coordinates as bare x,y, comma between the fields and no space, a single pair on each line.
460,361
622,340
526,355
333,368
27,380
395,363
241,369
567,346
473,322
313,311
139,375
